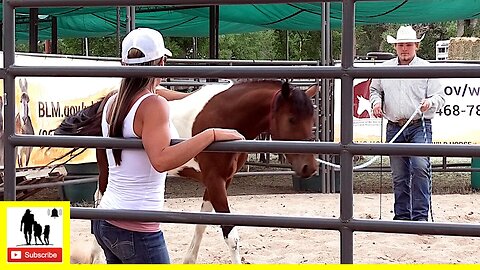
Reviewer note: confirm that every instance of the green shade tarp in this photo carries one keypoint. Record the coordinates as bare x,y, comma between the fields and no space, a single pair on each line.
194,21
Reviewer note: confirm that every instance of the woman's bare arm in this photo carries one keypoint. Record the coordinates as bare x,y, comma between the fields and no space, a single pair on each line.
170,94
155,134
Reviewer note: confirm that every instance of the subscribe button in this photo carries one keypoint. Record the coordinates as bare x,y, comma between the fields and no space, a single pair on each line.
40,255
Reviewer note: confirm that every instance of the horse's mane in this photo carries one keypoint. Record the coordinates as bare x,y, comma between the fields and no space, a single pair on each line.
244,81
301,104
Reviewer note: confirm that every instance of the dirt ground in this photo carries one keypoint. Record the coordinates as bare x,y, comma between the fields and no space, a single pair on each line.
363,183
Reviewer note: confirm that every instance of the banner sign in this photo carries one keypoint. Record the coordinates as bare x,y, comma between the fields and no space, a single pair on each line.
41,103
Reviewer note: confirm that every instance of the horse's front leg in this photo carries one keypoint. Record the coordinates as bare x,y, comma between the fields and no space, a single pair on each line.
192,252
218,196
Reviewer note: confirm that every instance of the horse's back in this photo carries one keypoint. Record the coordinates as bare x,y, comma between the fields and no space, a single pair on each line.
183,113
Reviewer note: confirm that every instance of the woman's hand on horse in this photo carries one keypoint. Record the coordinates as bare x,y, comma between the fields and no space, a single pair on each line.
222,134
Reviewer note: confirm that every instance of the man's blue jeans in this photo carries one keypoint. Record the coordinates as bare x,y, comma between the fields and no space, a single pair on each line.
129,247
411,175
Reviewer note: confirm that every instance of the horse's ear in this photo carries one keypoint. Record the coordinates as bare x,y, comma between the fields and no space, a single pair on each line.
286,90
312,90
20,83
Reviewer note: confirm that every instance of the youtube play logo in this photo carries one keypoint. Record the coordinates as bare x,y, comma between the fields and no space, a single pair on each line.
15,255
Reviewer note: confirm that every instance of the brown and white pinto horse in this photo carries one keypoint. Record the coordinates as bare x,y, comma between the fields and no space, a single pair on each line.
251,108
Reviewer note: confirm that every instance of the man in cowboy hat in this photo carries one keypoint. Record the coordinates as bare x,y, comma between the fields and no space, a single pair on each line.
397,100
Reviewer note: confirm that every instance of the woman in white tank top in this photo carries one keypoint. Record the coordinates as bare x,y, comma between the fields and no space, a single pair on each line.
136,177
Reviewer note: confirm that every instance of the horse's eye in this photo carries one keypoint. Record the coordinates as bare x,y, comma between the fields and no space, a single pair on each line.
292,120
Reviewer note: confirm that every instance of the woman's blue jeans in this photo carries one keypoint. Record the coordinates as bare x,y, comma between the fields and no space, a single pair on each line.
411,175
129,247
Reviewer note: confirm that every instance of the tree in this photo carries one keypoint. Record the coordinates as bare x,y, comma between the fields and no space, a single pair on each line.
433,33
468,28
257,45
370,38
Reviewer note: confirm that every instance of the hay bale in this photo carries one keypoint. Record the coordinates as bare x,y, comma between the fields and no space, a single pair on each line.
464,48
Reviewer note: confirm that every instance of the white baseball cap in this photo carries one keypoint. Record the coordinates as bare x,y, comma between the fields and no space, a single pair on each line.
405,34
148,41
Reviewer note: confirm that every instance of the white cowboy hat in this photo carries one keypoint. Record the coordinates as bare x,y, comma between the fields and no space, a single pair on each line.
405,34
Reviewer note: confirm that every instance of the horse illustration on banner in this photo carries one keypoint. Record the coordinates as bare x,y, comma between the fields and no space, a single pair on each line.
361,100
23,124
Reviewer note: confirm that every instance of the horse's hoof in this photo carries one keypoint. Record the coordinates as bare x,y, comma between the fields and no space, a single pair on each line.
189,261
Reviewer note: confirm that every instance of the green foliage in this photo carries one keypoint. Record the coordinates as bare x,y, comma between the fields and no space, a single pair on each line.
103,46
71,46
180,47
370,38
272,44
258,45
435,32
336,44
471,28
21,47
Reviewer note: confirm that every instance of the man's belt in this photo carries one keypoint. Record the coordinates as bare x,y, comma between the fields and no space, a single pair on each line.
402,122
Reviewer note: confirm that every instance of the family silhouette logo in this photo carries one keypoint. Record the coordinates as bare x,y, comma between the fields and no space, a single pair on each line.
36,233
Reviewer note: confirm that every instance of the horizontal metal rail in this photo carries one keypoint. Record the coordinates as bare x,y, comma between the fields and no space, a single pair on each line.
472,71
93,3
452,229
387,169
255,146
55,184
82,180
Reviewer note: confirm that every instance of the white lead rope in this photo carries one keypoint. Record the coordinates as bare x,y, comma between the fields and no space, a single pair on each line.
368,163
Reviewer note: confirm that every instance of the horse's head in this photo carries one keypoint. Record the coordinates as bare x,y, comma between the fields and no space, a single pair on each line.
292,118
24,111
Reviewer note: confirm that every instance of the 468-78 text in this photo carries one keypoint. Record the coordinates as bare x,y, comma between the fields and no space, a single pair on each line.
460,110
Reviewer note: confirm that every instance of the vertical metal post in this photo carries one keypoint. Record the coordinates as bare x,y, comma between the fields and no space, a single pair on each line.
9,101
329,83
214,31
128,25
195,47
287,47
329,109
33,30
86,47
119,42
132,17
1,37
346,132
54,35
326,185
213,34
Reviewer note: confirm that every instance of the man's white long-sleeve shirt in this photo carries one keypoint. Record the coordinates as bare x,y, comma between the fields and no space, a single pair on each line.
401,97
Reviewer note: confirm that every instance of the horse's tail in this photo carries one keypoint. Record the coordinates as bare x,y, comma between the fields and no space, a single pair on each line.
86,122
